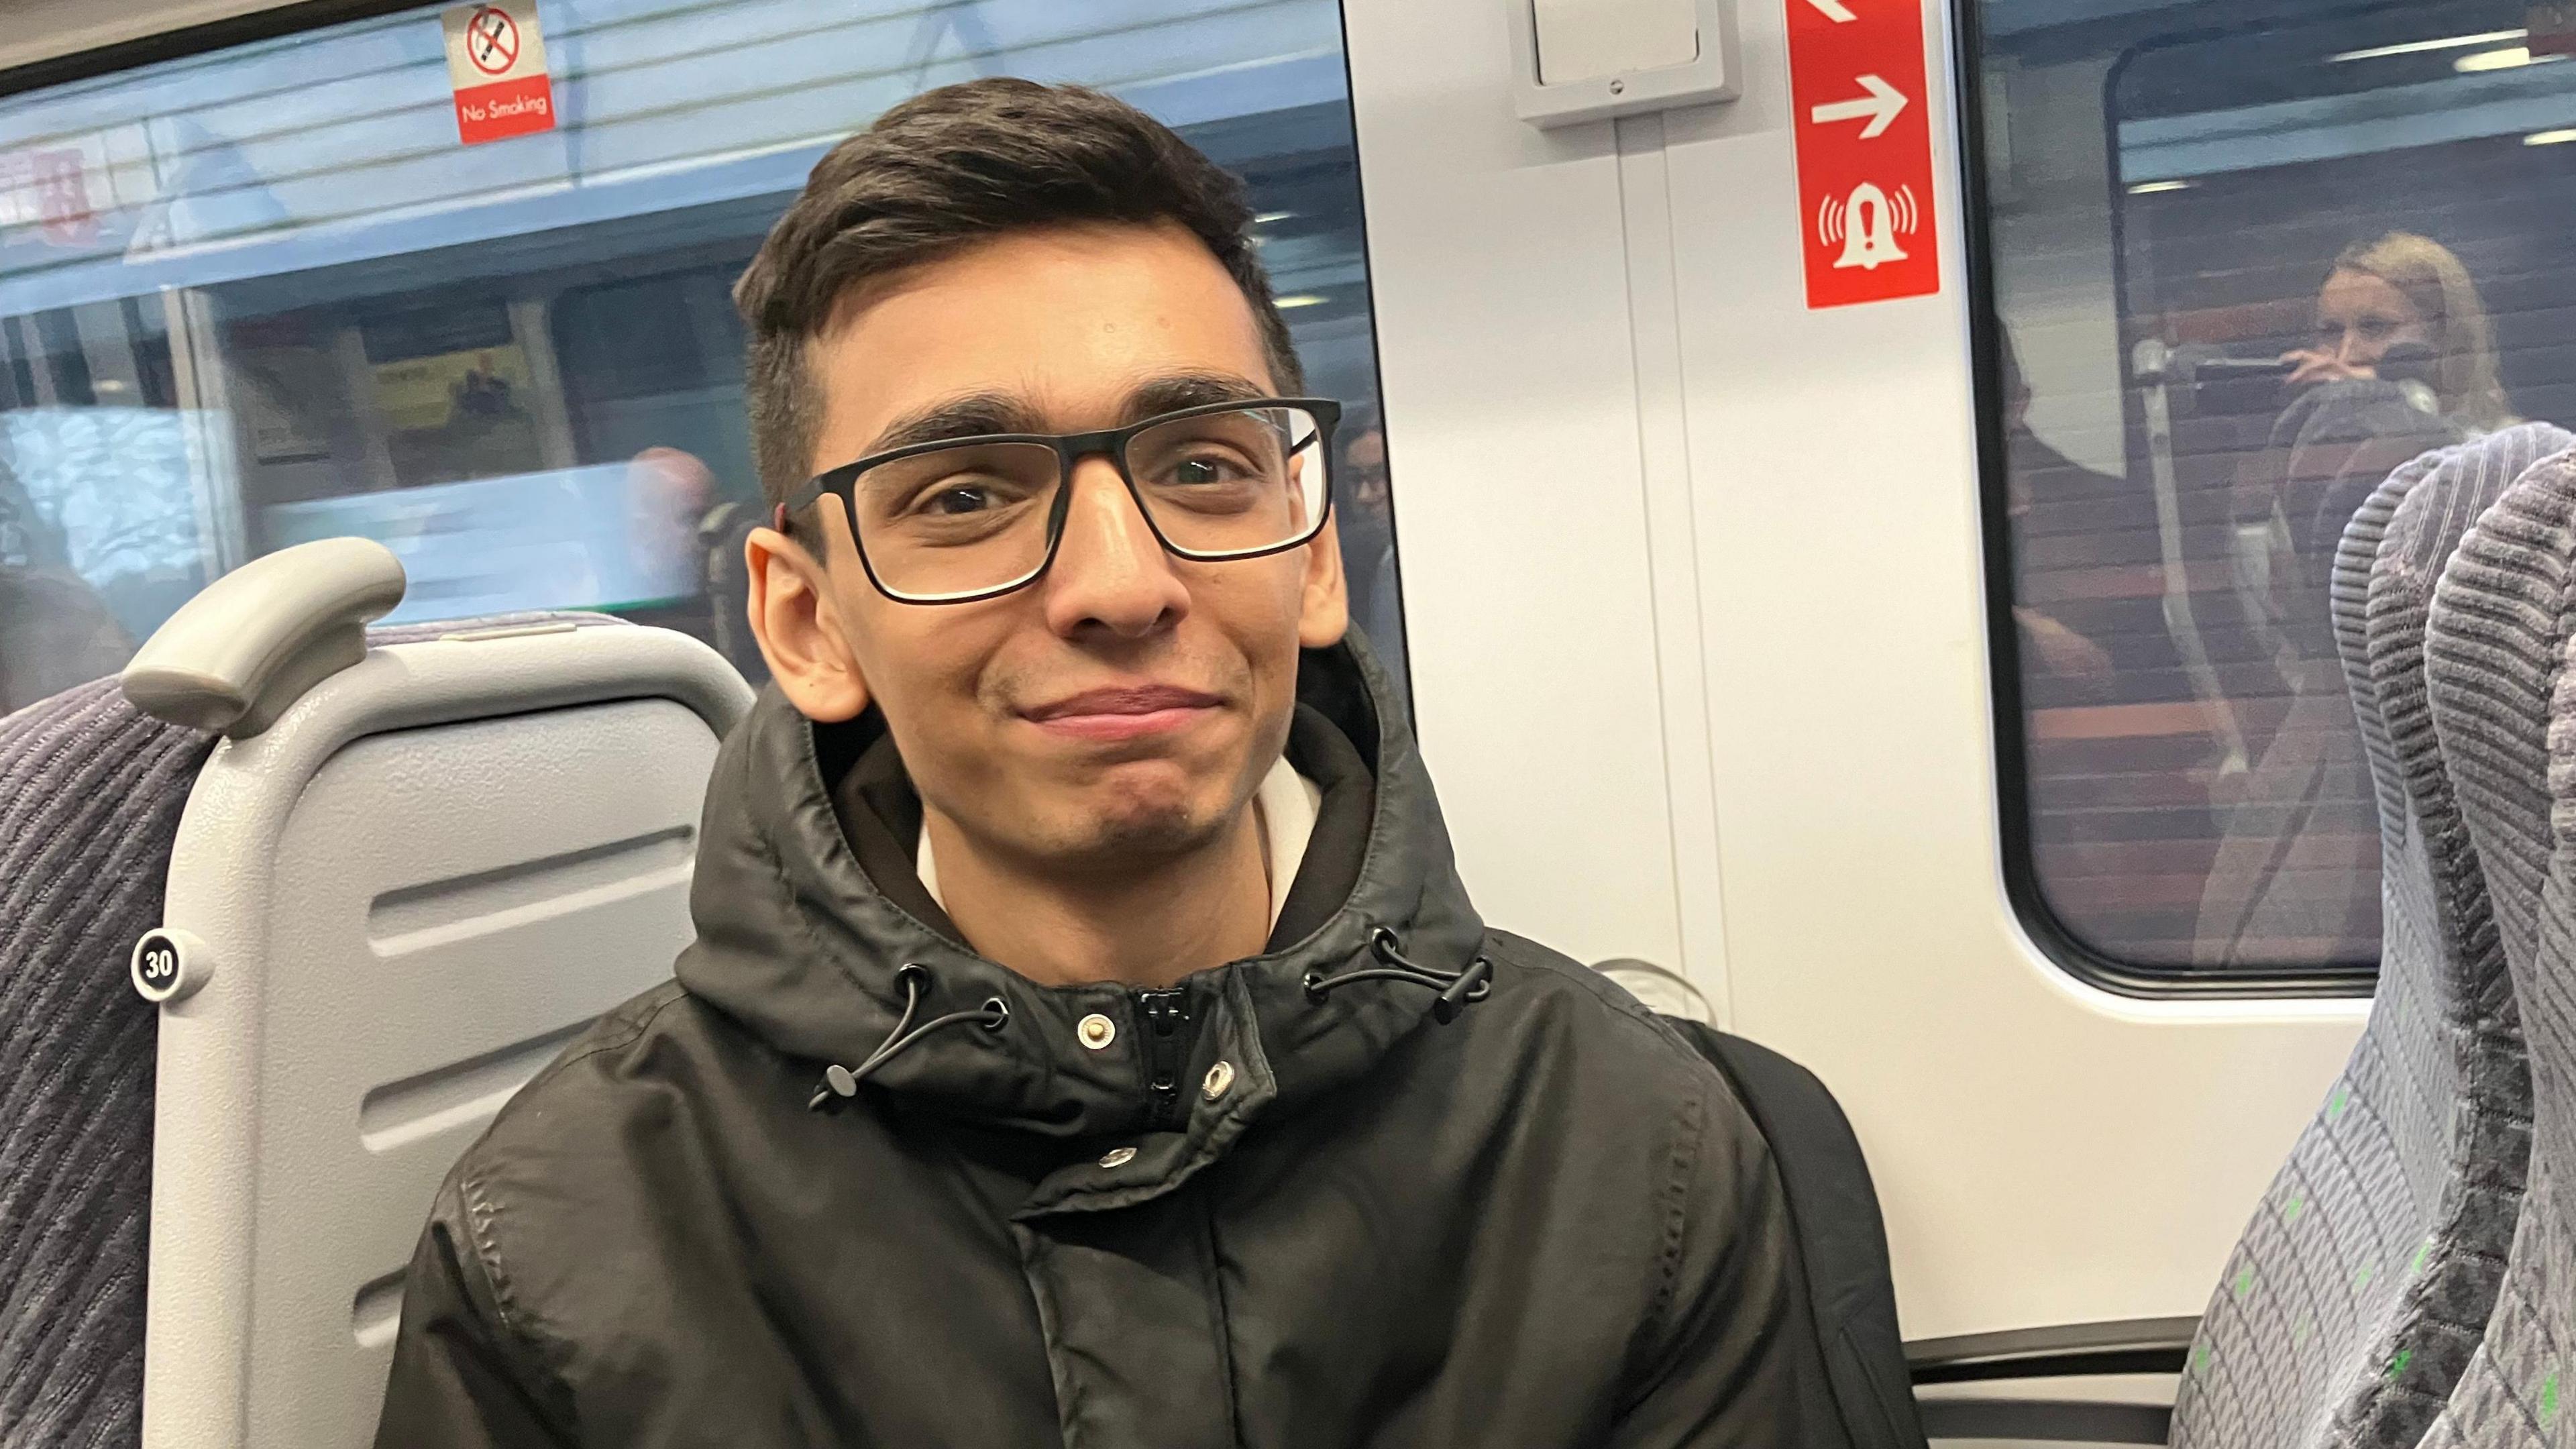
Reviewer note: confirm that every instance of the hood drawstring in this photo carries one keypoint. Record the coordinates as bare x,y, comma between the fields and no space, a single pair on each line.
1456,988
841,1083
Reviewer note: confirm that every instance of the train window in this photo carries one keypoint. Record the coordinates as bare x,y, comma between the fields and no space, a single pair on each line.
2245,259
262,294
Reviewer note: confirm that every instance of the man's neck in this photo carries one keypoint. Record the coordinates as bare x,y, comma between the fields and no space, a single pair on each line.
1149,927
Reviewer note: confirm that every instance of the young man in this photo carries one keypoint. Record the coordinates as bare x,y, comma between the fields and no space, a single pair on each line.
1087,1041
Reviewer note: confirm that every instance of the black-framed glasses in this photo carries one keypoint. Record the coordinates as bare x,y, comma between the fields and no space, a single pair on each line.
964,519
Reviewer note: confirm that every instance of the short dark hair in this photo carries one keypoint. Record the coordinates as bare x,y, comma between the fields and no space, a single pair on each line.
951,167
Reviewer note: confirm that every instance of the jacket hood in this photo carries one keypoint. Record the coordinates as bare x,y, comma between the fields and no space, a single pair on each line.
803,927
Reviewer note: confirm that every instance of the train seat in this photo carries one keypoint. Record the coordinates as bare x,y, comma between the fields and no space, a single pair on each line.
373,881
1857,1394
2504,705
90,795
2357,1294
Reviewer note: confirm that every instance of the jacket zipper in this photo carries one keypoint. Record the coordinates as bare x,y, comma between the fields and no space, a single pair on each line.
1166,1016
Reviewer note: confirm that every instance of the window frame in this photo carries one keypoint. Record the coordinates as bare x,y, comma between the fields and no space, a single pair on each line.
186,41
2009,719
281,21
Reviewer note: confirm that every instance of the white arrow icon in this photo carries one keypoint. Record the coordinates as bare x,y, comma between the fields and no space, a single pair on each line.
1835,11
1880,108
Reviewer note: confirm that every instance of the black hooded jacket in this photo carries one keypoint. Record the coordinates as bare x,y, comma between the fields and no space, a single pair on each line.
1545,1222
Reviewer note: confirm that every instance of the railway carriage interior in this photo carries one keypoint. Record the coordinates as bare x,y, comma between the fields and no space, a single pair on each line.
2102,713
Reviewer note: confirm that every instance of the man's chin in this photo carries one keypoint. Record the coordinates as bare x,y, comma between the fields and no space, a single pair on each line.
1132,821
1139,839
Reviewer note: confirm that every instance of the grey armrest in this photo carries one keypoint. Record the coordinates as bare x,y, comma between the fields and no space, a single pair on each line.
248,645
2068,1383
2129,1345
2109,1412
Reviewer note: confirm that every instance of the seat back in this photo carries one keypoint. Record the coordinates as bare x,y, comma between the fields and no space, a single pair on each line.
91,789
2369,1271
2310,783
396,902
1854,1392
2504,705
407,871
2311,786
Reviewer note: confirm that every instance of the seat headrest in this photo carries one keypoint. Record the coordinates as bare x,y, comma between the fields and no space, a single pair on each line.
2495,649
2435,501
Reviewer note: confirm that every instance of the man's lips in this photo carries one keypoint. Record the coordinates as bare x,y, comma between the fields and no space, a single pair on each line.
1121,712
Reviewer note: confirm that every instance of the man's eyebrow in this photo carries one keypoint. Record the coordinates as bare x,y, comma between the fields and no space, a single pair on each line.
976,414
969,416
1175,391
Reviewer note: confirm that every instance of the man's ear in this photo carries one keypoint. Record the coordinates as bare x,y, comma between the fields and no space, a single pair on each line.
800,628
1324,613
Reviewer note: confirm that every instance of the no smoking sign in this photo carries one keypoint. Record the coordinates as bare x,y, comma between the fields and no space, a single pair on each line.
491,40
496,61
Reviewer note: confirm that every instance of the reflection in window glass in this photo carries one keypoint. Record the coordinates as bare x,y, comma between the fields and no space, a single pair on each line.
2249,258
263,296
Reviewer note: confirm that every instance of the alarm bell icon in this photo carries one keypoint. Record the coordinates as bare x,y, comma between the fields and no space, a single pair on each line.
1867,225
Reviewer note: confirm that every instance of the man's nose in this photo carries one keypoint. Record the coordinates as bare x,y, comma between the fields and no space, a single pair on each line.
1110,571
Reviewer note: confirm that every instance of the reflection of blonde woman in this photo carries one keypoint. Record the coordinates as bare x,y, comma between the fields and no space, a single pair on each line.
2406,288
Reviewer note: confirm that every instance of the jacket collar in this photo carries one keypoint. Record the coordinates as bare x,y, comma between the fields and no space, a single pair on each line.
803,925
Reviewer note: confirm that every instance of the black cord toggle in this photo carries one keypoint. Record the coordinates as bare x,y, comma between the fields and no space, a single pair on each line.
841,1083
1456,988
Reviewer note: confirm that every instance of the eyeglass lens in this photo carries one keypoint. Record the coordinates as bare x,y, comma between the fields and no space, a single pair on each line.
973,518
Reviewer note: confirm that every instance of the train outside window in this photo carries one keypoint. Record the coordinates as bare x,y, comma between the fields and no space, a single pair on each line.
2334,238
267,295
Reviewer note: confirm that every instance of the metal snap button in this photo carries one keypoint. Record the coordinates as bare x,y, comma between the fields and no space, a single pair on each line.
1219,1077
1096,1031
1118,1157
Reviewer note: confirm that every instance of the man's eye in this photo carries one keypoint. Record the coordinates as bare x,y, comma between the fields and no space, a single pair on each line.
958,498
1203,470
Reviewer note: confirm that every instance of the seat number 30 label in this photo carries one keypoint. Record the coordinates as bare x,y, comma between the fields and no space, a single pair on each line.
167,965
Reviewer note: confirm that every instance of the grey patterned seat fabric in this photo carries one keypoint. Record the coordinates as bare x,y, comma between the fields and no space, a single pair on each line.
90,795
2504,704
2358,1293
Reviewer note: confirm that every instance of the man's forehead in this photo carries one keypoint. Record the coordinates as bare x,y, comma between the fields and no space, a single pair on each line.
1072,324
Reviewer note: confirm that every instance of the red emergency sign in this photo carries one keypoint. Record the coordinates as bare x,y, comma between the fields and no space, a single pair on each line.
1864,121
